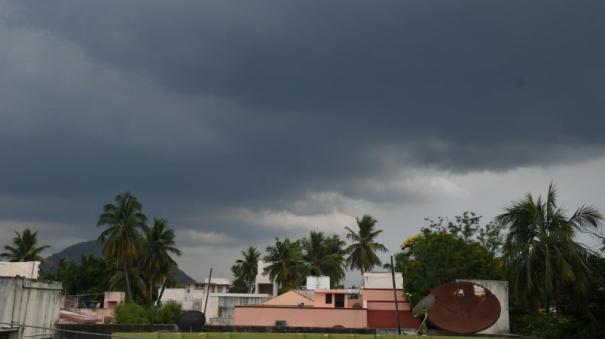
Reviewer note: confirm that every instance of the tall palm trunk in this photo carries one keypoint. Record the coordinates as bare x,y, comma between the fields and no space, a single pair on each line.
151,288
128,290
157,303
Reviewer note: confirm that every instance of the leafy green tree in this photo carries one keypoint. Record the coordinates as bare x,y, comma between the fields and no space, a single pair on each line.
24,247
245,270
436,256
122,238
468,227
155,261
541,254
285,264
362,252
324,256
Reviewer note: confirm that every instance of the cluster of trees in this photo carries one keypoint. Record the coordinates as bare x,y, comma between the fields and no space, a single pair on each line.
556,283
137,255
92,276
447,250
142,251
289,262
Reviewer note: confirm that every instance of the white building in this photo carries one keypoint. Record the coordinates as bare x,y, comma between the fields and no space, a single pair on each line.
219,310
263,284
217,285
381,280
26,269
315,282
25,302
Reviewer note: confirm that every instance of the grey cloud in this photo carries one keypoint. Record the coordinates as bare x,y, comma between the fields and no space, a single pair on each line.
200,107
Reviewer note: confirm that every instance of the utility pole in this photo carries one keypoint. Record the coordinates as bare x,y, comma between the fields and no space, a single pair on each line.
207,291
395,297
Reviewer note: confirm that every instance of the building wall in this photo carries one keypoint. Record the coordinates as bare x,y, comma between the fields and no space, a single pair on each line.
301,316
382,280
29,302
317,282
220,305
320,298
381,295
386,319
263,281
388,305
27,269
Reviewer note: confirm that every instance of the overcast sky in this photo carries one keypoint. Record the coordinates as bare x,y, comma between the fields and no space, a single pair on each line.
240,121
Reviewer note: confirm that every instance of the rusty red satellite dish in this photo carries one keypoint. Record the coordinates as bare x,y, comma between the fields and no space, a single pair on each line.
463,307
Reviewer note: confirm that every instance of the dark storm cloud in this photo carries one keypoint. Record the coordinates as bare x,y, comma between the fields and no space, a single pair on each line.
207,105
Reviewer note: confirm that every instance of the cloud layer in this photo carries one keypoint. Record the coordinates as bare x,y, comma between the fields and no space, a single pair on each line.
243,120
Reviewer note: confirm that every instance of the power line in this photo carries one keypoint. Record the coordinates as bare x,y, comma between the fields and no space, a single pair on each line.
68,331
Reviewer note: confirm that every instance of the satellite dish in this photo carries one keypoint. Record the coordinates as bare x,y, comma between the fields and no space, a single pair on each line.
423,305
463,307
191,321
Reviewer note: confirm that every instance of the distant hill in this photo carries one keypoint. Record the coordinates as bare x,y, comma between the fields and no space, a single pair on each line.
75,252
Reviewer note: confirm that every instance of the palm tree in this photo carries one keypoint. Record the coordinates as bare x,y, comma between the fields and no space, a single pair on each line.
122,238
247,267
155,261
362,252
24,247
285,267
324,256
540,250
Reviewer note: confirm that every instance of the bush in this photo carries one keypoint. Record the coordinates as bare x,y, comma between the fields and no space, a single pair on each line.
168,314
129,313
552,326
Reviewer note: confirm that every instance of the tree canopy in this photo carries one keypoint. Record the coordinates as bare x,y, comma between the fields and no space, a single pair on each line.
363,248
541,253
442,253
24,247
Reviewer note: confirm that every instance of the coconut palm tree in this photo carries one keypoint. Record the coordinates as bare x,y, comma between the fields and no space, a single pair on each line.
362,252
155,261
24,247
247,267
324,256
122,238
541,253
285,264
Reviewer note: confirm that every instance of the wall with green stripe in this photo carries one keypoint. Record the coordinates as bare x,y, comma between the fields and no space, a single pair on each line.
248,335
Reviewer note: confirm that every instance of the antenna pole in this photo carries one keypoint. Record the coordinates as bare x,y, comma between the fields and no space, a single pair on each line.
395,297
208,291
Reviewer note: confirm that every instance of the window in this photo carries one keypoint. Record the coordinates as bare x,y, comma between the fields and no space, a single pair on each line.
339,300
328,298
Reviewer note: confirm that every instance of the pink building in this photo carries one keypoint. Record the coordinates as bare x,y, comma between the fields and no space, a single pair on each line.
70,313
374,307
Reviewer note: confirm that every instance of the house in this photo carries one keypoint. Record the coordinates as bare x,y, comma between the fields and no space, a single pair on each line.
371,307
72,312
220,303
291,298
